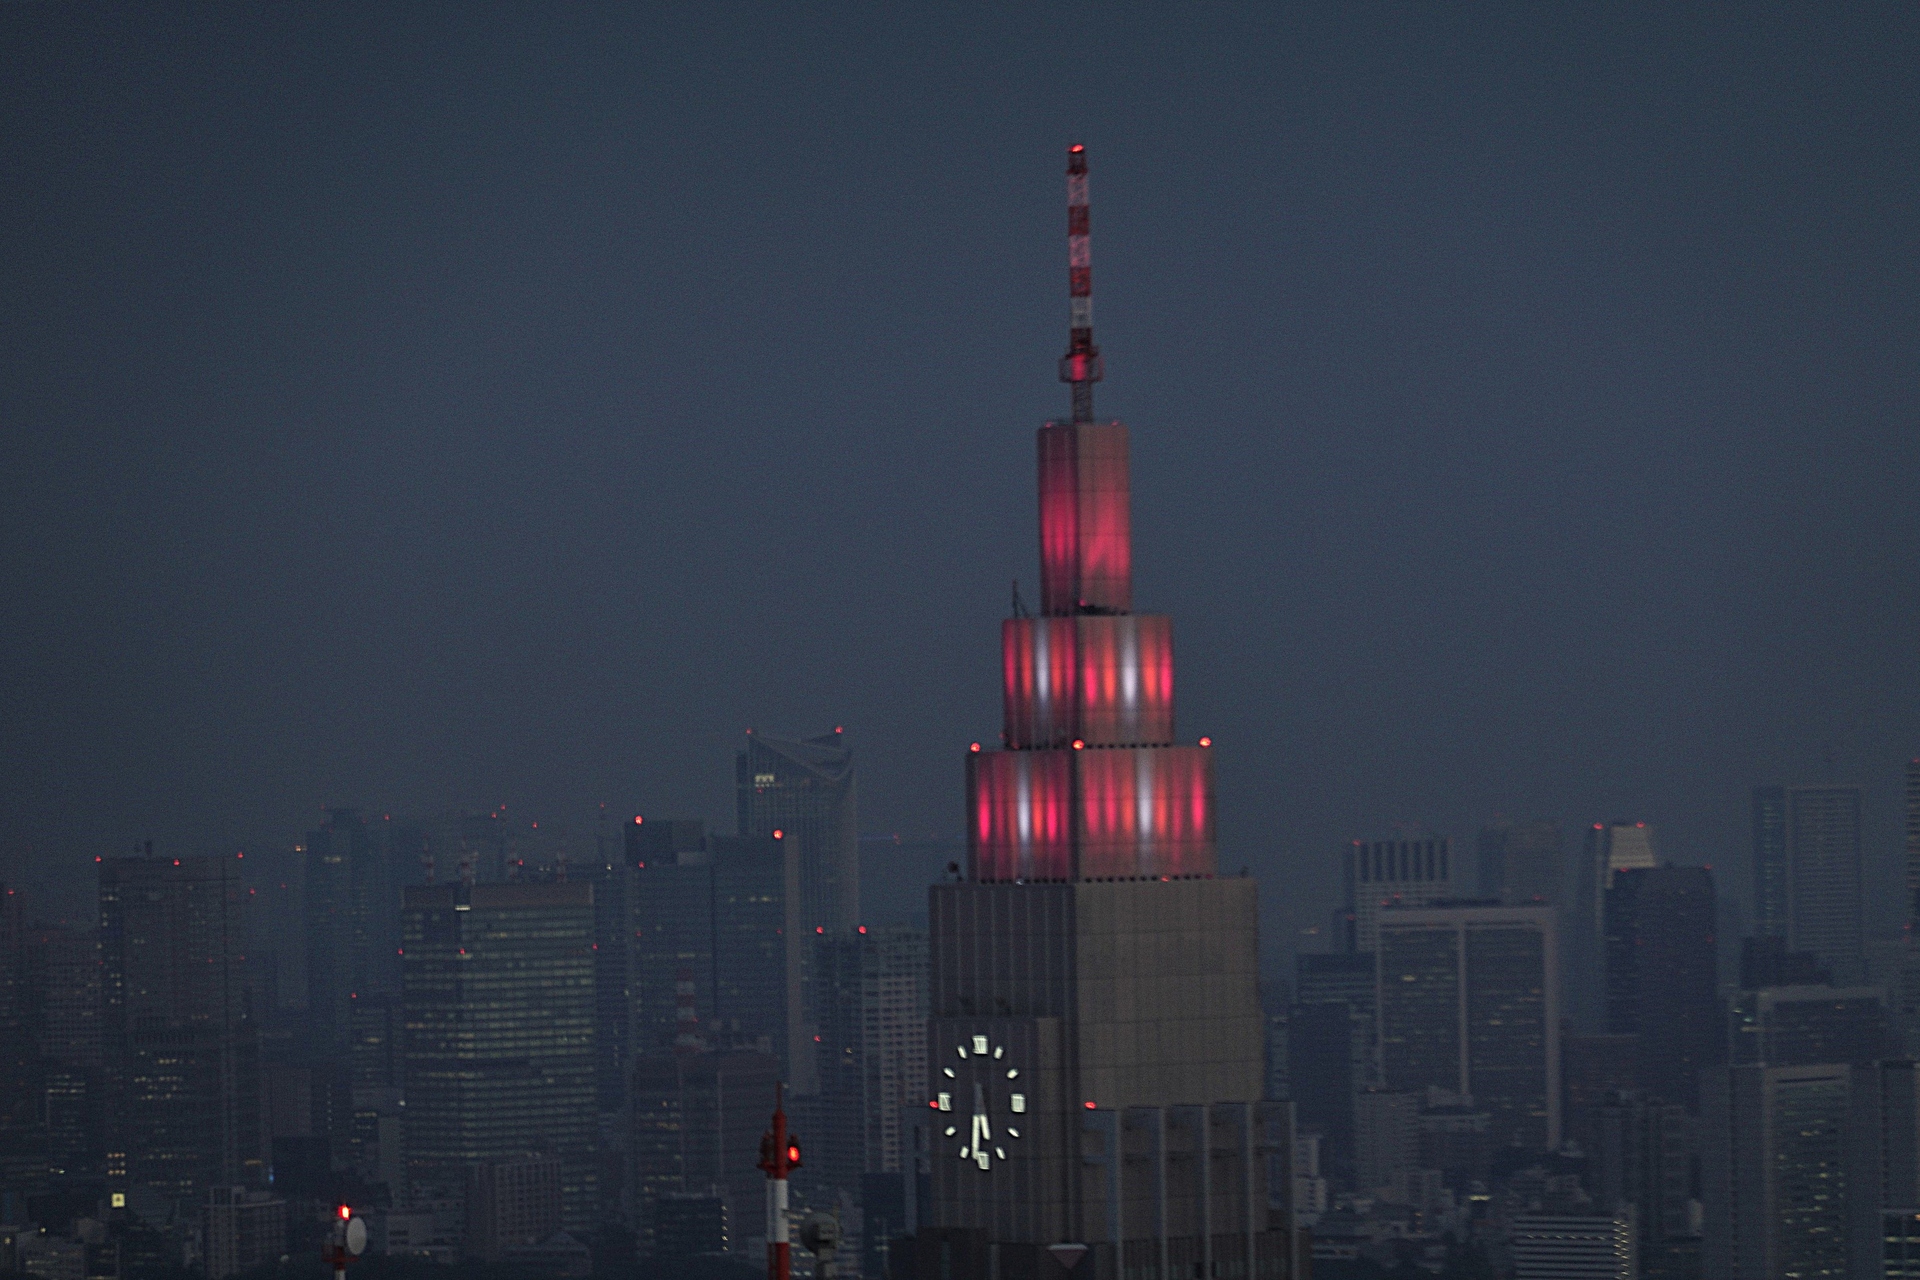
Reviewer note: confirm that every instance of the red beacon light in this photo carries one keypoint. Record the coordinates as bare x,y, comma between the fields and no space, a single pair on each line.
1206,742
1079,744
344,1212
778,834
973,746
1088,1104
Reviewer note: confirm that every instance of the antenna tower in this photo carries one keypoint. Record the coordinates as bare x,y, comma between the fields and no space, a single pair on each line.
1081,367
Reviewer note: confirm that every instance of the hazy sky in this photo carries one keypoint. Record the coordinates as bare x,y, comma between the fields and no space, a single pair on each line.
458,405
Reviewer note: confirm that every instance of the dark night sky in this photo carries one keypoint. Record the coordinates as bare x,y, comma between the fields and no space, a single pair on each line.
460,405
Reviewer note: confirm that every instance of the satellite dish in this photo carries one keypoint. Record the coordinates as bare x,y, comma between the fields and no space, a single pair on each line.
356,1236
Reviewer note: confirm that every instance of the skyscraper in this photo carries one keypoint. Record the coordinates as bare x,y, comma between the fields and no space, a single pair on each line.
1913,846
872,1060
352,924
181,1047
1611,847
1383,874
1824,885
1662,976
1469,1003
1520,863
725,910
1770,890
1094,987
1331,1048
1809,1170
805,788
499,1033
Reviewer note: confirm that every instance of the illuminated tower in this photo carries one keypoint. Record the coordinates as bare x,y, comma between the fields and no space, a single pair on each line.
1091,785
1093,986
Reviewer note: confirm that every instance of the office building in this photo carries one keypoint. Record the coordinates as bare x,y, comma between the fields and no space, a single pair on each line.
1805,1026
1468,1003
1770,872
871,995
1386,874
1824,869
805,788
612,876
499,1056
511,1203
725,911
352,927
1767,962
1610,848
688,1227
1095,1046
1662,976
1344,977
1386,1136
697,1121
1913,845
243,1227
1320,1070
1641,1157
1520,863
1809,1170
182,1053
1564,1246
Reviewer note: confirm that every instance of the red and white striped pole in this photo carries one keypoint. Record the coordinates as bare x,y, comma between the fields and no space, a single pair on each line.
1081,367
779,1154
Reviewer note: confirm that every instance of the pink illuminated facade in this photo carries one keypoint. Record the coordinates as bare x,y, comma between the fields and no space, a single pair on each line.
1091,784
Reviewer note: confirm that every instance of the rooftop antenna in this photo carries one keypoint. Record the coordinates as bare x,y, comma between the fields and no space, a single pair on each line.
1081,367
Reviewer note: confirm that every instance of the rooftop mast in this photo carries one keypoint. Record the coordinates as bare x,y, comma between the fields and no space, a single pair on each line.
1081,366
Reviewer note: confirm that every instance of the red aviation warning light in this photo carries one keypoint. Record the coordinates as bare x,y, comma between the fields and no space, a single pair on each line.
1081,366
779,1153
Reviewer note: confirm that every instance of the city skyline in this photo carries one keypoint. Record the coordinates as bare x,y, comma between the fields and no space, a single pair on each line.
1657,529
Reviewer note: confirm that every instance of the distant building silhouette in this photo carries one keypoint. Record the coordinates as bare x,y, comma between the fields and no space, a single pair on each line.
1771,887
726,910
1520,863
499,1034
1468,1004
805,788
1809,1170
182,1051
1662,976
1380,874
1610,847
1824,882
1805,1026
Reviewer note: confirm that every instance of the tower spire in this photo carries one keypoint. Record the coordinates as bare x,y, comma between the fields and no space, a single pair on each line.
1081,367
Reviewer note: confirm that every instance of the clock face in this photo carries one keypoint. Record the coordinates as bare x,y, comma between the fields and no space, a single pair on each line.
982,1102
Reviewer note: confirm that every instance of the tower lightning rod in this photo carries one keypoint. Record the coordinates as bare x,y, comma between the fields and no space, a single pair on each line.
1081,367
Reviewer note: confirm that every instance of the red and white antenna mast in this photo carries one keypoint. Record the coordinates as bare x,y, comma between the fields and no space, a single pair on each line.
1081,367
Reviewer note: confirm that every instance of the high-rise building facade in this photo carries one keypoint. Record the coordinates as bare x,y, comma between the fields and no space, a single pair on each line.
805,789
1331,1049
1383,875
1520,863
1095,1039
725,911
1468,1003
1809,1170
1807,1025
1770,887
1824,877
1662,976
1913,845
499,1034
1610,848
181,1049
